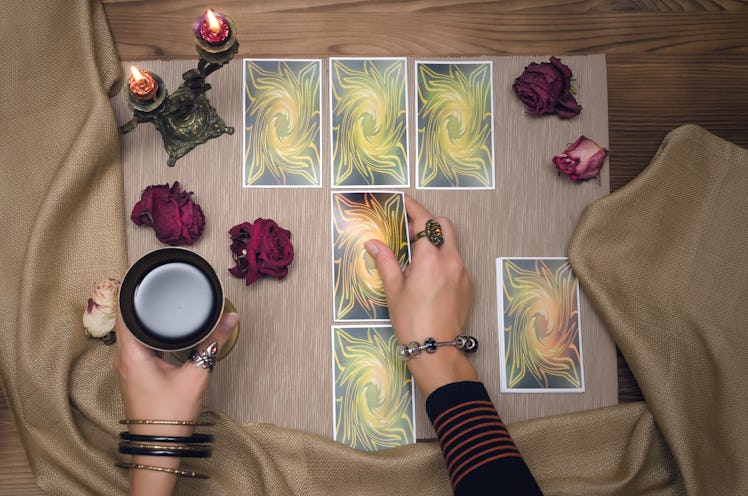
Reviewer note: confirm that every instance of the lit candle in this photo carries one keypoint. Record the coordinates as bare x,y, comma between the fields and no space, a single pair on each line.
143,86
212,28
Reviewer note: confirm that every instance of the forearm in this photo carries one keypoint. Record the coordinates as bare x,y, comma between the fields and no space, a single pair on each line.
447,365
478,450
149,482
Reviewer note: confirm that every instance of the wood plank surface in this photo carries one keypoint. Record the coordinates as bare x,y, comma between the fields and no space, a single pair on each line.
669,62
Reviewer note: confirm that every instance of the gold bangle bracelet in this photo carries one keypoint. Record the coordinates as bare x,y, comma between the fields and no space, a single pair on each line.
164,422
173,447
175,471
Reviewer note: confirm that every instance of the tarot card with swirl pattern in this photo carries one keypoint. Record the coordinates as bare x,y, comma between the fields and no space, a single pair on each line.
454,142
282,123
358,216
540,344
369,122
372,389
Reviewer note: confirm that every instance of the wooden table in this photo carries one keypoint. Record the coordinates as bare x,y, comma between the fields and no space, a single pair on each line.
670,62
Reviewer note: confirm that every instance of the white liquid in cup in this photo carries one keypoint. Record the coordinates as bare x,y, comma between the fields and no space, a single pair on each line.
174,300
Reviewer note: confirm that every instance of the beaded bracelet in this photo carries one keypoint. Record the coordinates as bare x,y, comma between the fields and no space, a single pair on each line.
175,471
195,438
468,344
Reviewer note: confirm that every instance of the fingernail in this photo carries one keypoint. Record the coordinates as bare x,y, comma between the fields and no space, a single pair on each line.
230,320
371,248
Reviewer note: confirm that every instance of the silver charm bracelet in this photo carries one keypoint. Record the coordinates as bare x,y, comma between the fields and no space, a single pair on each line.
468,344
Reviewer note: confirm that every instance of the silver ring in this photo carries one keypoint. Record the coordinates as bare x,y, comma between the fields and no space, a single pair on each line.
205,359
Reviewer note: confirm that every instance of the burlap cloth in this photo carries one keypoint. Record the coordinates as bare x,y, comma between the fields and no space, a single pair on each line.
664,261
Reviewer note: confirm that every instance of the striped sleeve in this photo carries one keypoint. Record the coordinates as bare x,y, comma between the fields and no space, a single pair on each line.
480,454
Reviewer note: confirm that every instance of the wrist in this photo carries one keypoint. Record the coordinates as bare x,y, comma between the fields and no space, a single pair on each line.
434,370
149,483
158,461
161,430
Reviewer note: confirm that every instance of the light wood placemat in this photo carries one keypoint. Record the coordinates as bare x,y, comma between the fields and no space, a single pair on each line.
280,371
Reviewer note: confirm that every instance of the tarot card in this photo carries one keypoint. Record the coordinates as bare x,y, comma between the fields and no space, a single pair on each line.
540,343
282,123
454,145
369,122
372,389
358,216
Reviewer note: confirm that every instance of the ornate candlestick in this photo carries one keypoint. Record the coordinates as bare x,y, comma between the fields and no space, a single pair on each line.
185,118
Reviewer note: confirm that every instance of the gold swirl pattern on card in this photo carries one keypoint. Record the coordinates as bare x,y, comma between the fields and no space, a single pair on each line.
455,128
369,123
282,123
541,325
357,218
373,390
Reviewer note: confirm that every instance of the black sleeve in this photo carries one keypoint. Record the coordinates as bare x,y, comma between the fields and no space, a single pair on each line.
480,454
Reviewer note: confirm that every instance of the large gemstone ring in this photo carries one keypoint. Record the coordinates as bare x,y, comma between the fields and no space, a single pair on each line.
433,232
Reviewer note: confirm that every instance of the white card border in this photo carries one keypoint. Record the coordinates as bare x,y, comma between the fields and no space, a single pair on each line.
407,127
416,104
332,362
500,312
244,127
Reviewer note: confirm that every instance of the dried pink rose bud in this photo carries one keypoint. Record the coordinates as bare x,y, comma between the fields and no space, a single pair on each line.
582,160
101,311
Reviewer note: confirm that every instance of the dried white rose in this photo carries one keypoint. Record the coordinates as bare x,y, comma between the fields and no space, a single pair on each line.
101,311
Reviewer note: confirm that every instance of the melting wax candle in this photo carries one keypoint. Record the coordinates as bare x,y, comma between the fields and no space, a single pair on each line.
212,28
143,87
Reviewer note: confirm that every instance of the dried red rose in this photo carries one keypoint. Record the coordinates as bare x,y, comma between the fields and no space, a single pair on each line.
582,160
260,248
545,88
171,212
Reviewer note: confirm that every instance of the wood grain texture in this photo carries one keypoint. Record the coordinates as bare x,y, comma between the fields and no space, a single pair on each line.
653,85
16,478
490,6
651,95
310,34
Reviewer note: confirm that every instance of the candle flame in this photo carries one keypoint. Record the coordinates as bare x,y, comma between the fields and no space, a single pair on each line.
136,74
215,25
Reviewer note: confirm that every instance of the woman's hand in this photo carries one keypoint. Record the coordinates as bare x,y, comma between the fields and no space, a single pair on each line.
431,298
155,389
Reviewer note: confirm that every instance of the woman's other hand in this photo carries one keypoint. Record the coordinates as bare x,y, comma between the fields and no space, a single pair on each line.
430,298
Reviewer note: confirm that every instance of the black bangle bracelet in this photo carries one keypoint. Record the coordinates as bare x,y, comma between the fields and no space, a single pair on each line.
187,453
195,438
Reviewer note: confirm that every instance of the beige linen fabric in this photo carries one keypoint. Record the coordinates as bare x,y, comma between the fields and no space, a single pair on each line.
664,260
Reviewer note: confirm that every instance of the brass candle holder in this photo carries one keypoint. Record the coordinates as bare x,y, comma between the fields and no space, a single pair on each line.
186,118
